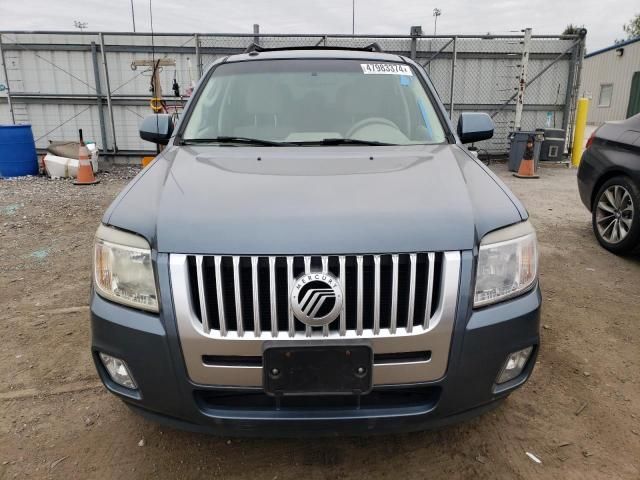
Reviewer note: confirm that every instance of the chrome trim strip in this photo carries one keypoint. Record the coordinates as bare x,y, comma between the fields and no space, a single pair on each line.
343,283
290,279
220,298
359,295
307,269
237,296
256,296
201,295
325,263
429,300
272,297
394,294
412,292
325,269
196,343
376,295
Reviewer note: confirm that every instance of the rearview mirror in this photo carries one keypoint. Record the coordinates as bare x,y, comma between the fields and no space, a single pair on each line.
157,128
475,126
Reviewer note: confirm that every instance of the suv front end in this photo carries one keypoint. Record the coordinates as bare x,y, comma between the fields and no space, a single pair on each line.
300,289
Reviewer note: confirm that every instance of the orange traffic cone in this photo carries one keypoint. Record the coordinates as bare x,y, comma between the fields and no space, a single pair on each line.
85,169
527,165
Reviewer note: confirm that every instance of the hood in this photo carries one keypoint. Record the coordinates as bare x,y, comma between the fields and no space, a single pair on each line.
313,200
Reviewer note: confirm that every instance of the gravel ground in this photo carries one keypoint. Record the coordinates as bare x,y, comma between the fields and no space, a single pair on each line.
579,414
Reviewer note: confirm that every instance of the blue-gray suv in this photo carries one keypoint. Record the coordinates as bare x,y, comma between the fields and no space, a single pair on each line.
314,252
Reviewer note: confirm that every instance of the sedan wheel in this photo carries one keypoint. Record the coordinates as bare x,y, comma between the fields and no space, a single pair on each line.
615,215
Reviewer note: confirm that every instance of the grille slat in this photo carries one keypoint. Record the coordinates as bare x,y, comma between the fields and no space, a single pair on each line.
206,326
220,295
383,294
376,295
325,268
290,281
359,325
238,296
394,294
412,291
307,269
429,302
272,296
343,282
255,295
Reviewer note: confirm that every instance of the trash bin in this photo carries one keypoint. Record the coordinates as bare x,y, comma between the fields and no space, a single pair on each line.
553,145
518,144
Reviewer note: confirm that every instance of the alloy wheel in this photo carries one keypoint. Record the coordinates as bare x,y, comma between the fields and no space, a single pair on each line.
614,214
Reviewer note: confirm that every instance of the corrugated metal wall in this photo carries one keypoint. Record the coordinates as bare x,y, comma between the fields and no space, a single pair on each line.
609,68
53,78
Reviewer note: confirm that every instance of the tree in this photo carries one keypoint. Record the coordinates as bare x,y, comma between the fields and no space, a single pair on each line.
572,29
632,29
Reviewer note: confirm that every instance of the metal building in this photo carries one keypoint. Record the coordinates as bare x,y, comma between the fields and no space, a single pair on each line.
611,79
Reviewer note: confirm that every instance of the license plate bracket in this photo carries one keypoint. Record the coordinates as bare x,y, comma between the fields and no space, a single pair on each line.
317,368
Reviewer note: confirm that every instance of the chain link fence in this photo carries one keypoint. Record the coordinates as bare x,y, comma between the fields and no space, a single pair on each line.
61,81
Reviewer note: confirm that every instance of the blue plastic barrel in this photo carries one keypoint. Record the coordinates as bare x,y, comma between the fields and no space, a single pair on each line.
17,151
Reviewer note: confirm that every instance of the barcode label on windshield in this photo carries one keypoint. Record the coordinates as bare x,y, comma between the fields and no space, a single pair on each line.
386,69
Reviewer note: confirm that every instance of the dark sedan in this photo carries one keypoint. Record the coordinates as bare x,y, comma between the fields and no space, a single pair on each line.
609,184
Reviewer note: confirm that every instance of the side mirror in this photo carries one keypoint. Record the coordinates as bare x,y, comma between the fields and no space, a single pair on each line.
157,128
475,126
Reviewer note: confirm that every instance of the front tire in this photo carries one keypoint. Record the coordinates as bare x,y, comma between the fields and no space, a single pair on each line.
616,215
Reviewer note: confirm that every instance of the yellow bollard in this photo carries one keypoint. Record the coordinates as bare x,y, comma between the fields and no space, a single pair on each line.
578,132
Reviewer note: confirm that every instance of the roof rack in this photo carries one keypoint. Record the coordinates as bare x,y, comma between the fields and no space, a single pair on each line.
372,47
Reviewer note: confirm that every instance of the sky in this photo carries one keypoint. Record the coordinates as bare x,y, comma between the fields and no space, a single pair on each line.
603,22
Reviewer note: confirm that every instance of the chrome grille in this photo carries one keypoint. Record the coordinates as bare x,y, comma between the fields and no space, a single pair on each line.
383,294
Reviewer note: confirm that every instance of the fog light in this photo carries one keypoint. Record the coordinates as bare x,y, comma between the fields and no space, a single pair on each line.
118,370
514,365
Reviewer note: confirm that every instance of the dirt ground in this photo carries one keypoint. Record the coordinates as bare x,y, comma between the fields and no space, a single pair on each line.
579,414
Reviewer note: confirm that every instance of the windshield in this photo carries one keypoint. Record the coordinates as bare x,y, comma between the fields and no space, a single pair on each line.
328,102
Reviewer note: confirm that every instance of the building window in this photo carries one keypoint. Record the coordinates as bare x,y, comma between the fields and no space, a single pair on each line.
604,100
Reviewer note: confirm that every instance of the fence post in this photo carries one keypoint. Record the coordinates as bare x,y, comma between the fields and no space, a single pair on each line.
96,75
522,82
415,32
6,78
454,58
198,56
256,33
570,91
583,35
108,85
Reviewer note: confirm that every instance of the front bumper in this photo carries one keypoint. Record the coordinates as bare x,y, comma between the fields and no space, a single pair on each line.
149,344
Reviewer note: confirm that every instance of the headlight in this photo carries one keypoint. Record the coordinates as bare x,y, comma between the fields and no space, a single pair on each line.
122,269
507,264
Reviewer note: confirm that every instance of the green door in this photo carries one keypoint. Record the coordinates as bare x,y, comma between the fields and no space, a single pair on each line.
634,96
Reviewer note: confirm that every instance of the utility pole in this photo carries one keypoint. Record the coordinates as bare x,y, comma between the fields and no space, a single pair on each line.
436,13
353,17
133,17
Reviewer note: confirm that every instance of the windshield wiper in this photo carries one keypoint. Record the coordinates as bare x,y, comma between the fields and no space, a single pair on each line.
229,139
343,141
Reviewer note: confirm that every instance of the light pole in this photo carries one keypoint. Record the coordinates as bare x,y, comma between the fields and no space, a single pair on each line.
436,13
80,25
133,17
353,17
